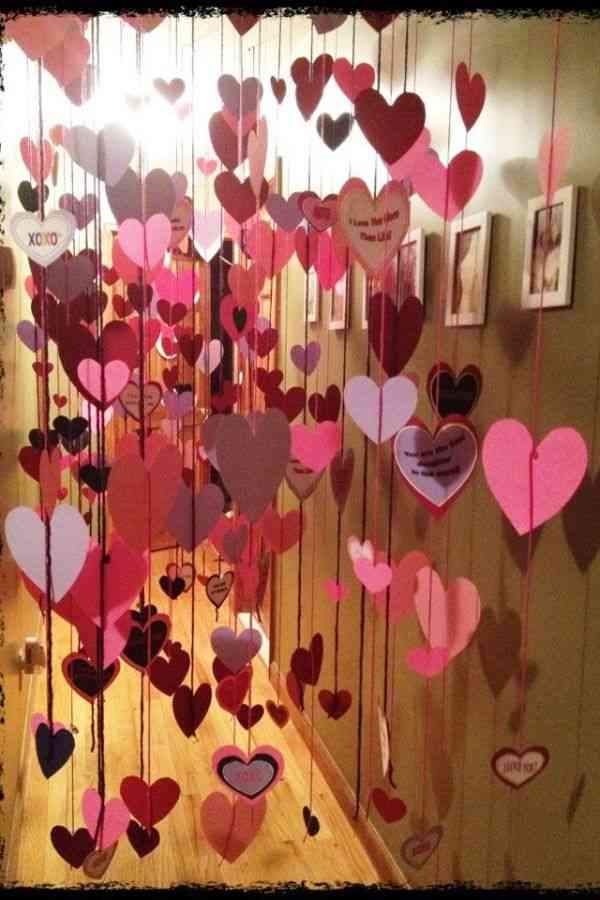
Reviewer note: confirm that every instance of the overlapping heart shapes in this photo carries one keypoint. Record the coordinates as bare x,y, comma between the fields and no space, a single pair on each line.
250,777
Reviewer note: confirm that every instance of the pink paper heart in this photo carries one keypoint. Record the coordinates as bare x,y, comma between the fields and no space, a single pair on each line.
329,266
270,248
402,587
447,190
375,578
315,447
116,376
40,719
558,144
124,576
116,817
257,154
427,661
352,80
532,485
181,287
145,243
336,591
404,166
206,166
447,618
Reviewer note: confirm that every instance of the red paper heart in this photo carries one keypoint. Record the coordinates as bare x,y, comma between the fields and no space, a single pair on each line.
306,664
470,94
279,88
353,80
242,23
310,80
238,198
149,803
231,691
291,403
391,809
391,130
335,704
168,675
400,328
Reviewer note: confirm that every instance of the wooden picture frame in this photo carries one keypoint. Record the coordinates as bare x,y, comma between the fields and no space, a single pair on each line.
555,224
468,270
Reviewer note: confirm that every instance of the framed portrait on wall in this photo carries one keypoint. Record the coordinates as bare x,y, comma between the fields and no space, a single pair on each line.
550,251
338,304
410,267
312,299
469,257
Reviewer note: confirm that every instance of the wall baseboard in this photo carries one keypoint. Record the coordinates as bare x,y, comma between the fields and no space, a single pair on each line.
387,867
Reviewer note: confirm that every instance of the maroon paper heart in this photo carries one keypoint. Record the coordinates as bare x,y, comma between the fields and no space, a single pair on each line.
68,278
325,408
225,142
238,198
170,90
335,704
83,676
470,94
326,23
291,403
231,690
279,713
279,88
73,848
341,470
295,690
268,381
399,328
189,710
84,210
167,675
145,643
242,23
262,342
190,346
306,664
142,841
129,200
310,80
391,130
378,20
248,716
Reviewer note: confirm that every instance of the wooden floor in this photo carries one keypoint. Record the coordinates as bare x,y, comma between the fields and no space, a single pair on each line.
279,853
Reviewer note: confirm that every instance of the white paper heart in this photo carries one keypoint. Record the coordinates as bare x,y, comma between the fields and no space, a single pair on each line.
69,543
210,356
43,242
380,412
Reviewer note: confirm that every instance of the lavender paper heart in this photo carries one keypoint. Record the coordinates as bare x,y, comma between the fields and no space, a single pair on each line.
105,155
380,412
306,358
30,335
285,213
235,651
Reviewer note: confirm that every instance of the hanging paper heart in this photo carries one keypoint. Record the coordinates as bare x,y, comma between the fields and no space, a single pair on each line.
427,661
66,62
210,356
145,641
251,777
279,88
340,472
306,664
43,242
295,690
231,151
83,210
149,803
39,164
281,532
437,467
447,190
394,332
134,198
239,198
30,196
470,94
378,20
245,284
315,447
270,248
532,484
84,678
167,676
302,481
321,214
390,129
253,464
306,359
257,154
77,344
144,24
37,35
218,588
235,651
53,748
402,587
373,229
518,767
115,821
132,399
69,540
103,383
105,155
307,247
451,394
68,278
419,848
280,714
380,412
291,403
98,861
232,689
449,618
207,233
143,841
30,335
189,710
335,704
329,266
333,132
285,213
248,716
353,80
391,809
325,408
73,848
145,244
402,169
229,827
238,98
558,146
326,23
375,578
193,517
310,79
124,574
141,493
358,550
170,90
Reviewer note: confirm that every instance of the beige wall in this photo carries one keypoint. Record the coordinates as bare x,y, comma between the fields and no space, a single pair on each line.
489,832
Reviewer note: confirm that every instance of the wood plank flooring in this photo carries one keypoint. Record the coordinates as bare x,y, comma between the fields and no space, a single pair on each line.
279,853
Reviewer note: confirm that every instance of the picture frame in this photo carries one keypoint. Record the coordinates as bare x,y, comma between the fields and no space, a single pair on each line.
312,299
413,284
468,270
555,224
338,301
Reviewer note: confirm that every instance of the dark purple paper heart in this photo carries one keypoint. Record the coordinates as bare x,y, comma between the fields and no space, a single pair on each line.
144,644
306,358
285,213
306,664
142,841
53,750
189,710
73,848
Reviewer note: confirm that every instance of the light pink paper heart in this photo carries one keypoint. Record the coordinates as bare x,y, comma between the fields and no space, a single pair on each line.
270,248
116,817
257,154
447,618
116,376
235,651
69,542
427,661
404,166
207,233
531,485
145,244
315,447
447,190
329,266
558,145
375,578
402,587
336,591
380,412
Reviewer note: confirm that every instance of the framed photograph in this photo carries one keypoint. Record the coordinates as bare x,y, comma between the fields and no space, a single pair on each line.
469,258
337,305
550,251
312,299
